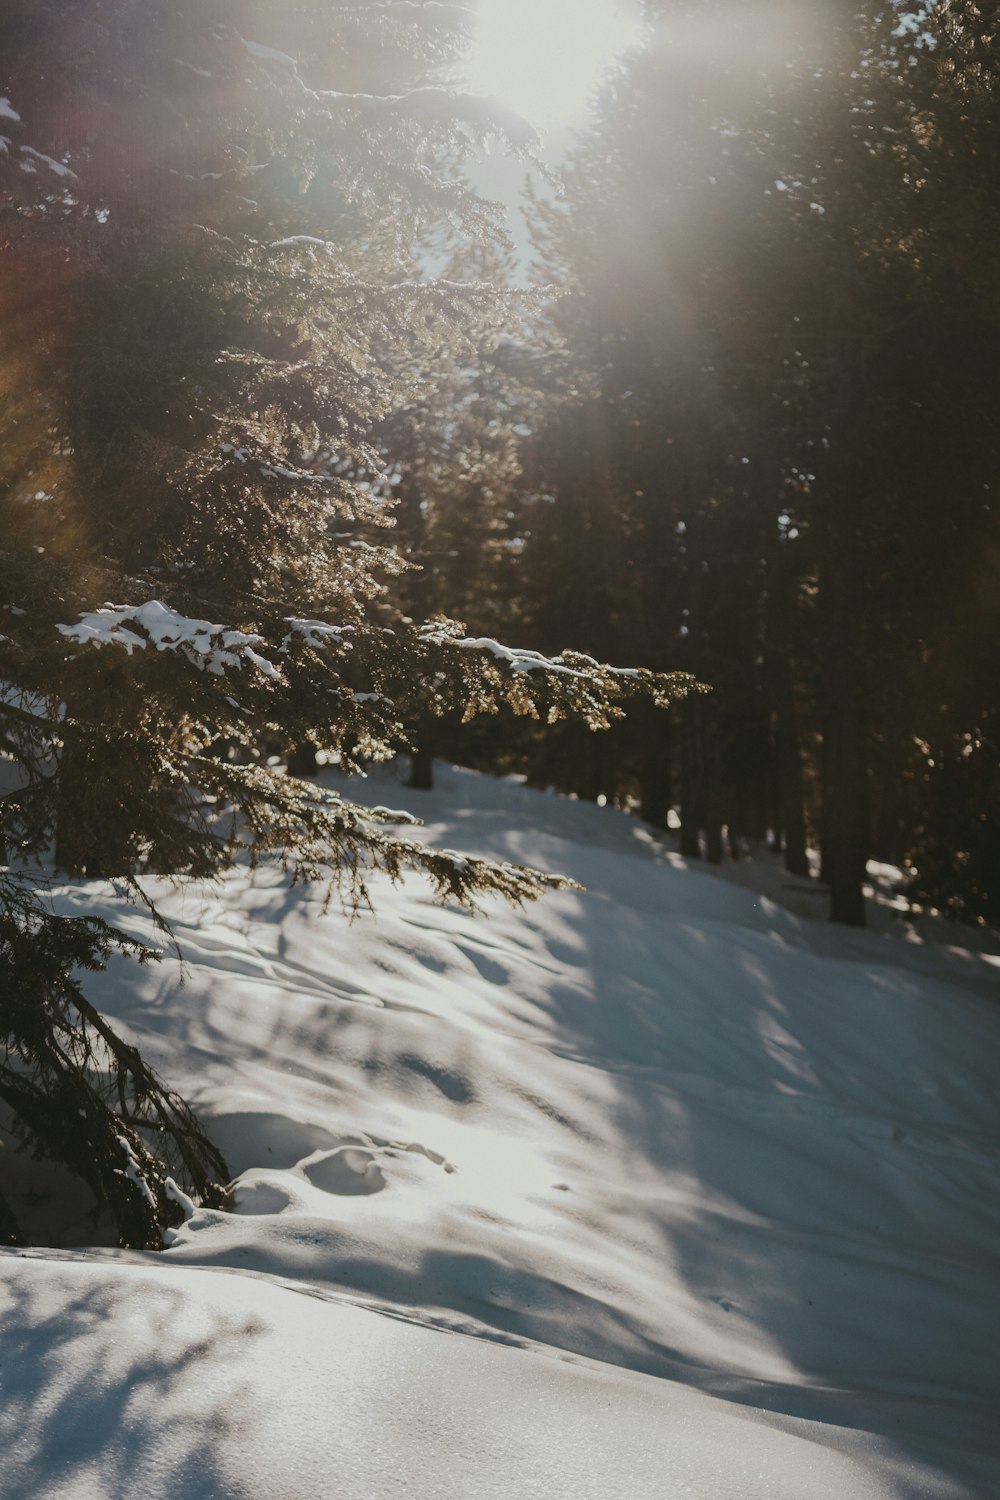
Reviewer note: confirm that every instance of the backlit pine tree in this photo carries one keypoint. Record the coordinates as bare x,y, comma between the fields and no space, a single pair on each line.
211,293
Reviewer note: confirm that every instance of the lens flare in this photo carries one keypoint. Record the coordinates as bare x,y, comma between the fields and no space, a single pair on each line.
545,57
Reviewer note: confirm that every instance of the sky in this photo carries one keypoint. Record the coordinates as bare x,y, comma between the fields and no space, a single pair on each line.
543,58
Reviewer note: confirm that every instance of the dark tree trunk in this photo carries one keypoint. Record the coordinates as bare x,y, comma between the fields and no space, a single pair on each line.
690,843
302,760
847,587
789,790
712,782
77,834
595,774
421,775
845,797
656,789
10,1230
843,715
824,806
411,518
791,807
691,787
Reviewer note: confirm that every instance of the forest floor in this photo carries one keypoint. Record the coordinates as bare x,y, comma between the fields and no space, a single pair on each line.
661,1188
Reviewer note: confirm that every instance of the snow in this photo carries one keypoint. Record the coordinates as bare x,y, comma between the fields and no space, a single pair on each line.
436,104
211,1386
430,8
58,167
211,648
8,112
33,705
131,1171
268,54
184,1203
282,471
518,659
659,1188
294,241
318,634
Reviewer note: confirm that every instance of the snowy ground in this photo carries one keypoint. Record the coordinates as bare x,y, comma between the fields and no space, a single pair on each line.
661,1189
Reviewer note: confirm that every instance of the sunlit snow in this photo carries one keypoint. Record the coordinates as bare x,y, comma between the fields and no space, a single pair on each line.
664,1188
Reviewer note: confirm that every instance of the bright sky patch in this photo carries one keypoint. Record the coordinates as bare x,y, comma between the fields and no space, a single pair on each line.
544,57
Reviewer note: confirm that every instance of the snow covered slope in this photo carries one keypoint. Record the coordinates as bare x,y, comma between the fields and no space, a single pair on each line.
724,1180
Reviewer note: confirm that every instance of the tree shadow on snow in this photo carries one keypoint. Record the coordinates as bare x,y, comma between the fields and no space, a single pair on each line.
830,1252
111,1397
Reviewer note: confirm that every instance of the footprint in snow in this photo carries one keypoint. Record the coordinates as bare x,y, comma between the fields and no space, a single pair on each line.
725,1304
347,1170
256,1197
415,1148
352,1169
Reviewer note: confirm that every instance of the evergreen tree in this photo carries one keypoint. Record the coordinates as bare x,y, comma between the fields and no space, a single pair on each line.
781,328
211,221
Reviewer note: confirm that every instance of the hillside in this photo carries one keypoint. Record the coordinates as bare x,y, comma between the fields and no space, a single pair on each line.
662,1187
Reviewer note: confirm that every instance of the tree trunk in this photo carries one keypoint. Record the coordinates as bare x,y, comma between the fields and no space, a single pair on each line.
789,791
845,799
712,796
10,1229
302,760
655,765
421,776
790,788
411,517
824,806
691,787
843,715
76,834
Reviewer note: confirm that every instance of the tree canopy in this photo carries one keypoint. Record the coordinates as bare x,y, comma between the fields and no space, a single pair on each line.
215,223
772,457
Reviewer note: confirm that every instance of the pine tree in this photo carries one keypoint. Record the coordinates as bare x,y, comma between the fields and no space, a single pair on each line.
213,299
782,322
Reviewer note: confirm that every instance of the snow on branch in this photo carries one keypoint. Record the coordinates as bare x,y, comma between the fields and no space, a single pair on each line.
8,112
317,633
132,1171
211,648
431,9
518,660
59,168
431,288
269,55
303,241
568,684
271,467
435,104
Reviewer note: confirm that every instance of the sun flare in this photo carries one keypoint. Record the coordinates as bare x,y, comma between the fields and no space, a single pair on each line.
544,57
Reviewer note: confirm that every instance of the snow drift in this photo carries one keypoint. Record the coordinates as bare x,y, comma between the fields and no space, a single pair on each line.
721,1178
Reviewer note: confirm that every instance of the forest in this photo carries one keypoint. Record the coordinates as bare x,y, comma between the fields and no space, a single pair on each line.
312,464
755,441
499,749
